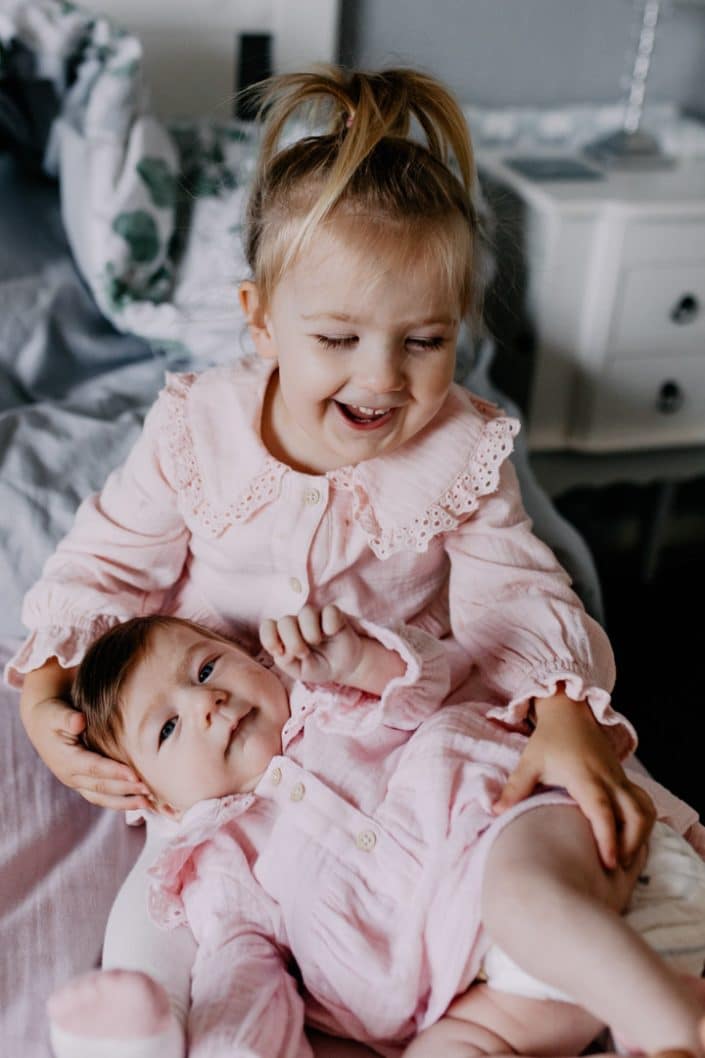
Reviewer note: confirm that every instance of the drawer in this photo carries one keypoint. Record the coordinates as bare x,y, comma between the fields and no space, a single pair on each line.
643,404
657,239
659,313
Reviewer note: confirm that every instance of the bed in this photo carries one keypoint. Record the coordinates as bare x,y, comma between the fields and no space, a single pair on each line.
119,256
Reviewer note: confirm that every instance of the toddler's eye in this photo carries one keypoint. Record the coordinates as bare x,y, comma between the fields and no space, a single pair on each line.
342,342
206,671
426,343
167,730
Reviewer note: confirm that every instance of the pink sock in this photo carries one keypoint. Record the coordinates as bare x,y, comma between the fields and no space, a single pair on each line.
114,1014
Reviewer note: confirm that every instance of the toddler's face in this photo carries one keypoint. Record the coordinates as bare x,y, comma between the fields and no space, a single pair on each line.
201,718
363,365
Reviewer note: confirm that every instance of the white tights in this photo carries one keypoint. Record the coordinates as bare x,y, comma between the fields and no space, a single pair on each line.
134,942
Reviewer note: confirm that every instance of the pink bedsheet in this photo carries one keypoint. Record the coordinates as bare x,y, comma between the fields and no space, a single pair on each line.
62,862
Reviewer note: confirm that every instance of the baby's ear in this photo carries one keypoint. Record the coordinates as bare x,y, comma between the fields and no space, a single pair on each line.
257,321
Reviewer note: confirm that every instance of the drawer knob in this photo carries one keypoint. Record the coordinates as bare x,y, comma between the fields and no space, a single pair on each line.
685,309
670,398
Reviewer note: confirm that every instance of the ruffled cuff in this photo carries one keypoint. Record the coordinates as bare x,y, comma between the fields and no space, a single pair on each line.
407,699
66,643
577,685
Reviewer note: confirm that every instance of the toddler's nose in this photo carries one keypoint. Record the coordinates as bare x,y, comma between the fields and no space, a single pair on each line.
383,372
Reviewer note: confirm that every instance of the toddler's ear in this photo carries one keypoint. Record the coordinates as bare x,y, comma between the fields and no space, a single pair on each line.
253,310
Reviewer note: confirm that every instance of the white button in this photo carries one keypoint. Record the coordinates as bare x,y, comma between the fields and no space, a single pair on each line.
276,776
311,497
297,792
366,840
296,585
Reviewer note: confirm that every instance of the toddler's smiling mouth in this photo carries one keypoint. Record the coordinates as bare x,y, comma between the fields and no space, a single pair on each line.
362,417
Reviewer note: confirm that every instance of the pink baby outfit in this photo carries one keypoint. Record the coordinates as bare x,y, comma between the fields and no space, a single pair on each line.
202,522
360,854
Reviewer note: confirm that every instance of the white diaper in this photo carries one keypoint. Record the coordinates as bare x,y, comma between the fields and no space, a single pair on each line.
667,909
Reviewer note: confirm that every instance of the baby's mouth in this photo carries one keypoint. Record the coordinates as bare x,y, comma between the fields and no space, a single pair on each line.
364,417
238,727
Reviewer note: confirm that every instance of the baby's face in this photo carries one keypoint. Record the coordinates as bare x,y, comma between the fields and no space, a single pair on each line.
201,718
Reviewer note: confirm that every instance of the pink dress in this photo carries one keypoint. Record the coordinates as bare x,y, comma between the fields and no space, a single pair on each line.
360,854
202,522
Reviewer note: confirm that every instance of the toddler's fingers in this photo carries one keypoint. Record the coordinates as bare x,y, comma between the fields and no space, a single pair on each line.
119,804
333,620
69,721
290,635
269,638
90,768
597,807
637,814
109,787
309,620
519,785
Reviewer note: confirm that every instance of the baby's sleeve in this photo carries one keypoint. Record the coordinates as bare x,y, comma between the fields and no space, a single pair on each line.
406,700
244,1002
513,609
125,551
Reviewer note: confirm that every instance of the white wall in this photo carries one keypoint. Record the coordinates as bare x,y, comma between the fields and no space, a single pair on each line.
191,45
537,52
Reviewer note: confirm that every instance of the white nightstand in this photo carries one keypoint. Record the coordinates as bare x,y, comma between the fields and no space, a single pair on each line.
614,299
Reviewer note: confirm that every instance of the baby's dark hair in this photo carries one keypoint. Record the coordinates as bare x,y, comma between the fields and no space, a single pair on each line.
365,169
99,681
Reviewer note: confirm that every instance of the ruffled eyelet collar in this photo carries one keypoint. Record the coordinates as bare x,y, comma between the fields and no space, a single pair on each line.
402,500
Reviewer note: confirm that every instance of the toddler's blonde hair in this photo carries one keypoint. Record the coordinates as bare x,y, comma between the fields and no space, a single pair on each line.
392,195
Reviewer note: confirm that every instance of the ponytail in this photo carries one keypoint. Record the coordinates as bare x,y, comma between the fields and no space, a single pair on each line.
363,159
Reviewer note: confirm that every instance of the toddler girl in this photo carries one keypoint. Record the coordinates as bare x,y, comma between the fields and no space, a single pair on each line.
351,829
341,463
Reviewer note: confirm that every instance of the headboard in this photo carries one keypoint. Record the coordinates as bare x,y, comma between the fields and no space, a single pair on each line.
197,54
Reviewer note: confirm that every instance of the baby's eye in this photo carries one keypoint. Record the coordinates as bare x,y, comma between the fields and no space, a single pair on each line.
426,343
342,342
206,671
167,730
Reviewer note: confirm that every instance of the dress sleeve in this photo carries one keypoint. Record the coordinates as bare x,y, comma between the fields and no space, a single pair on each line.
512,608
125,551
407,699
244,1002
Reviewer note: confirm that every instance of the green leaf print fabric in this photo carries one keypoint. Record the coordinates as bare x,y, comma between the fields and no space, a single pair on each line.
153,213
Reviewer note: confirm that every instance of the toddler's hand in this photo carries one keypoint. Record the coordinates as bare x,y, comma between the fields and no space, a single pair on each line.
54,729
314,646
570,749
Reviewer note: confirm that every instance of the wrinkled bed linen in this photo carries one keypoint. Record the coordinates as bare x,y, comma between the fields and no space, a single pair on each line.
62,863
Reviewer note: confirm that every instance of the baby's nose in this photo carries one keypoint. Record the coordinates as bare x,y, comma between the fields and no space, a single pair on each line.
211,702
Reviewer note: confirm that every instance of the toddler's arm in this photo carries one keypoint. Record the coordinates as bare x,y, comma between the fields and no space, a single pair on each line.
525,630
568,748
54,728
127,547
323,647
